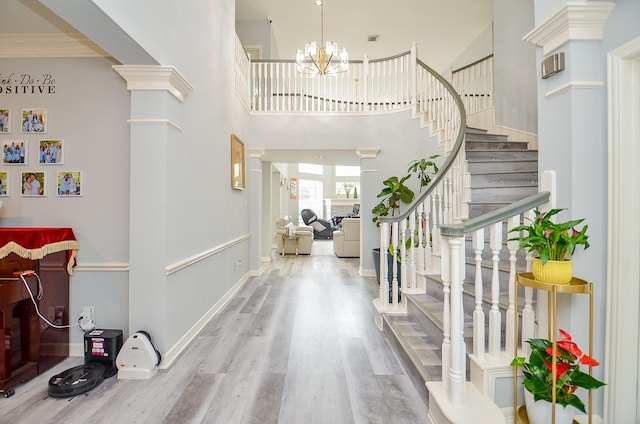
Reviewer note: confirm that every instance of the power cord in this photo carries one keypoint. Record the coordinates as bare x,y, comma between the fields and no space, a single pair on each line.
24,274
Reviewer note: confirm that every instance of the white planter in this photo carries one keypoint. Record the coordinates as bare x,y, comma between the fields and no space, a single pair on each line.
540,412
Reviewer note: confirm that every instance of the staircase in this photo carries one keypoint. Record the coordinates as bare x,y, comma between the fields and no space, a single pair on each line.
501,172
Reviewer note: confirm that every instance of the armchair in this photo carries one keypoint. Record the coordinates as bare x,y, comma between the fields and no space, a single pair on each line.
346,242
322,229
303,232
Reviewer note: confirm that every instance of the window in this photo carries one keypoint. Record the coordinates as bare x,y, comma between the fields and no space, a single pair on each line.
310,168
310,196
353,186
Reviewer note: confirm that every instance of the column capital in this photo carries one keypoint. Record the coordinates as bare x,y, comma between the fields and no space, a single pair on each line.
155,77
574,21
368,153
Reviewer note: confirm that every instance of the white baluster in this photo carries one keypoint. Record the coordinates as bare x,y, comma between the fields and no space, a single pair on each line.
411,266
528,314
495,319
445,266
456,370
435,221
394,262
478,313
385,287
421,240
512,246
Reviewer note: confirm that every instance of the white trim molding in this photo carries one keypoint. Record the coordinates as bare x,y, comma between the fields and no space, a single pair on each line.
155,122
102,267
622,331
571,85
14,46
256,152
155,77
574,21
369,153
184,263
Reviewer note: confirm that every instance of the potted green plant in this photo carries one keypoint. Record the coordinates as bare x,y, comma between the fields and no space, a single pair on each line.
394,193
540,379
553,243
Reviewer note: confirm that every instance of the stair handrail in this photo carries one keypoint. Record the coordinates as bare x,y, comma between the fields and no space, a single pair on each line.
453,257
448,163
498,215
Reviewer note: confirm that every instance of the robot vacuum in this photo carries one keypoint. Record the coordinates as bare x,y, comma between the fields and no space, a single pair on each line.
101,348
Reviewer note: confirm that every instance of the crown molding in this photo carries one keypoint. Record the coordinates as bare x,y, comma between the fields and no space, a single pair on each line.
155,77
19,46
368,153
257,153
574,21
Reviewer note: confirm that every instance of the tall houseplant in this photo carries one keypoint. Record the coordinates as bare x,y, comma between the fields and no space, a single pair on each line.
540,378
552,242
395,192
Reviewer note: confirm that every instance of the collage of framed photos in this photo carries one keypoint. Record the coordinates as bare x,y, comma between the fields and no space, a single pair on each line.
26,157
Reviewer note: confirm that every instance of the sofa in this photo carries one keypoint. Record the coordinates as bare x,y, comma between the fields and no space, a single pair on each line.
303,232
346,242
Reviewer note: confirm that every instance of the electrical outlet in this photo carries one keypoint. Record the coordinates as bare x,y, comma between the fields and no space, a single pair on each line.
87,314
238,264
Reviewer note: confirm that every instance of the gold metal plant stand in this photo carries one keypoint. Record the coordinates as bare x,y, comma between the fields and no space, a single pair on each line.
575,286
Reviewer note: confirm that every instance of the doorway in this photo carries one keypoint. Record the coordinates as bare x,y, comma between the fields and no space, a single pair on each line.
623,269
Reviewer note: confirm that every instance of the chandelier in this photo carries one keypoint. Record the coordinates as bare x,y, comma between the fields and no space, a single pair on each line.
324,59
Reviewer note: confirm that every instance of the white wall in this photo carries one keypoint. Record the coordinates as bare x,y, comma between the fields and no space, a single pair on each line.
515,66
181,192
88,111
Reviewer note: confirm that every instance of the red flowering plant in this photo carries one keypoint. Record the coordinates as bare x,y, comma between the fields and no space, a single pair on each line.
539,376
552,241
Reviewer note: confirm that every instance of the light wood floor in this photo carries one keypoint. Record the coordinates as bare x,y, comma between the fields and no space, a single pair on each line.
296,345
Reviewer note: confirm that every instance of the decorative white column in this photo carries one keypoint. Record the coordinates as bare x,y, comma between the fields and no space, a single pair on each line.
153,90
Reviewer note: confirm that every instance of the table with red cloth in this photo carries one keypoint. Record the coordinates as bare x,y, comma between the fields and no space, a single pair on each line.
36,243
31,347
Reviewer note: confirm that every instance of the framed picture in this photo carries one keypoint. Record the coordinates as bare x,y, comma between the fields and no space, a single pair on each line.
33,184
34,120
15,152
69,183
237,163
4,183
50,152
5,121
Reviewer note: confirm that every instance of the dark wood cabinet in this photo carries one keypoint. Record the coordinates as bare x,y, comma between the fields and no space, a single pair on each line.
31,346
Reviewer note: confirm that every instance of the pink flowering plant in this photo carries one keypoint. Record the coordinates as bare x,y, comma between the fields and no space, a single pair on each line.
550,240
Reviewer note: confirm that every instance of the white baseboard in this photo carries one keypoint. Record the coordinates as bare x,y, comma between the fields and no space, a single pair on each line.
184,342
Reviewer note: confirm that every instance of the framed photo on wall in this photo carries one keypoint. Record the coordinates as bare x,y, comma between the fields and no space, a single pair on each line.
237,163
69,183
15,152
5,120
33,184
34,120
4,183
50,152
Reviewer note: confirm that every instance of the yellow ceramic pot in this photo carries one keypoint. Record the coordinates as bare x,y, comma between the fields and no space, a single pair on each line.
555,272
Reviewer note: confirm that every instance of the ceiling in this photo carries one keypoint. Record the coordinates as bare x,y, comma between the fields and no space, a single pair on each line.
397,24
441,29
